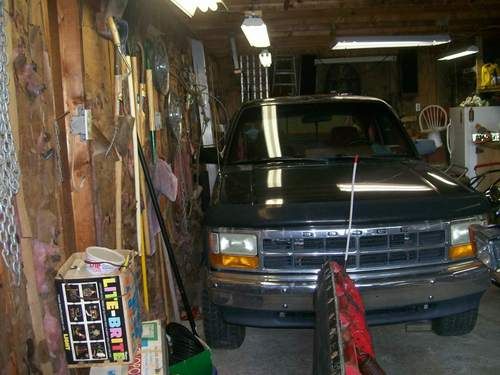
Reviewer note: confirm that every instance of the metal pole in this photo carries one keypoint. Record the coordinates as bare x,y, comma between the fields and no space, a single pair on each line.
241,80
248,76
261,94
267,83
234,52
253,78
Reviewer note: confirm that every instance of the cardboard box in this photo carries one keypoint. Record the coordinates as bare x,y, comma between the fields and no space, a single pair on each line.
99,314
151,357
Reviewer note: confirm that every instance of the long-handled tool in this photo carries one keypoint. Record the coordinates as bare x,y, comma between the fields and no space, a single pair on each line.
135,141
166,240
119,162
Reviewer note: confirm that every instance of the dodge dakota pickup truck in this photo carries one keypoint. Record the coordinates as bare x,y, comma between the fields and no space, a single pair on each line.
280,209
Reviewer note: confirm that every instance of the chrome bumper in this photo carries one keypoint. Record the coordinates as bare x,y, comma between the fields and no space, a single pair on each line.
381,290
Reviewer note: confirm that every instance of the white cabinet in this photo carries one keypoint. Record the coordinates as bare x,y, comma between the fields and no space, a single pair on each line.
463,125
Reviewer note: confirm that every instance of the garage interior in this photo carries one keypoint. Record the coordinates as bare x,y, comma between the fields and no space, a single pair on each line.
109,109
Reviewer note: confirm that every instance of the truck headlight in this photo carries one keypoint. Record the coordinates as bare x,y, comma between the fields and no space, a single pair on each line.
461,246
233,250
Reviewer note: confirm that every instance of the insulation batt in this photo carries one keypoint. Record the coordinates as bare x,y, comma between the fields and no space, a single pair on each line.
43,256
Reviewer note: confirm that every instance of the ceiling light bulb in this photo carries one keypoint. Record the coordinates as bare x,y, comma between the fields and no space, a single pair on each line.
265,58
203,5
213,5
255,31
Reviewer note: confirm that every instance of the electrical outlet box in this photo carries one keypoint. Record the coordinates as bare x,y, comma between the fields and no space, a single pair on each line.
81,123
417,107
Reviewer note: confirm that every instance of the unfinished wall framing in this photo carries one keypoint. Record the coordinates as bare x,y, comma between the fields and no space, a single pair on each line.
59,60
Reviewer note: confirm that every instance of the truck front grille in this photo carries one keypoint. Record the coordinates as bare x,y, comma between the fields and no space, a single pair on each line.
369,247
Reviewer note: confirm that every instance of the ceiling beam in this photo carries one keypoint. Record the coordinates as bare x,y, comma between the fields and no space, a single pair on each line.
278,5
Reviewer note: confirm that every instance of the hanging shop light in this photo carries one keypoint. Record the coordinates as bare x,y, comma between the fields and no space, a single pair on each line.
471,50
265,59
255,31
363,42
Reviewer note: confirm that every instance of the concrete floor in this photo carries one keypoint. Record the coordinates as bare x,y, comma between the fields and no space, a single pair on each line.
400,349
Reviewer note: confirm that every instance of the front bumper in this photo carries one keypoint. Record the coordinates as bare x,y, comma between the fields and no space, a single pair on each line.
268,299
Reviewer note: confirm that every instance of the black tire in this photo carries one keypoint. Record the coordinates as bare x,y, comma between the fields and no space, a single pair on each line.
327,350
218,333
456,324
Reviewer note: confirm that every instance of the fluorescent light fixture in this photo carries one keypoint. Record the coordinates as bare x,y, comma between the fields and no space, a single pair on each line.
471,50
270,125
362,42
265,59
255,31
367,187
187,6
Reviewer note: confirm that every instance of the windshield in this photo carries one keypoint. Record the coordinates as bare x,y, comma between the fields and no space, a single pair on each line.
317,130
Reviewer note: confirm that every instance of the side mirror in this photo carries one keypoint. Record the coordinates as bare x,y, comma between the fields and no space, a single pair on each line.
425,146
208,155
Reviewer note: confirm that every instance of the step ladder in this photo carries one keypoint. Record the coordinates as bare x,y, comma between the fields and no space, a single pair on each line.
285,76
254,79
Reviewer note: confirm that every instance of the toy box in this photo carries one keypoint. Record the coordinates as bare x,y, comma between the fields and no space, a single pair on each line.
99,314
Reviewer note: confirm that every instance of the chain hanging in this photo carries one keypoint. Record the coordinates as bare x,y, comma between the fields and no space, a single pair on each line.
9,169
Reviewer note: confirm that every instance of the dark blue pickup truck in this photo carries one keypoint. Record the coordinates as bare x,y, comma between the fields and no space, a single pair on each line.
280,209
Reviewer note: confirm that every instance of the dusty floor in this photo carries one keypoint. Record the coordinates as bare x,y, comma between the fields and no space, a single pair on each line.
289,352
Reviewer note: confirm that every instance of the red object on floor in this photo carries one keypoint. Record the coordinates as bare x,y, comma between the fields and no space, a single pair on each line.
357,343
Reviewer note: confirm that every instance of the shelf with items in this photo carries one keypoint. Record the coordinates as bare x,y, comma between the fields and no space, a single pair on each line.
491,89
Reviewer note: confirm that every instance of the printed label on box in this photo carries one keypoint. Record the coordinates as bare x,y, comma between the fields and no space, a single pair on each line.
92,320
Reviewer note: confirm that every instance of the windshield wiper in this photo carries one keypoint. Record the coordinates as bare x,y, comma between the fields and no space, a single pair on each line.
283,159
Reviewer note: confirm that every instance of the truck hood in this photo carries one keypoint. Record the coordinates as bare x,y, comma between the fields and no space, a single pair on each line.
319,193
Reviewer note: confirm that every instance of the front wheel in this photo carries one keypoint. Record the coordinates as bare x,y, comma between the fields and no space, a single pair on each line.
456,324
218,333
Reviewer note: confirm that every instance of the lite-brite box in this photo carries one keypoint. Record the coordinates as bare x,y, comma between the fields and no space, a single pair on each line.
99,314
151,357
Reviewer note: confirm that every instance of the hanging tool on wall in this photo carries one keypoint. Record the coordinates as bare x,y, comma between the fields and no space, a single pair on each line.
151,110
141,135
119,163
137,184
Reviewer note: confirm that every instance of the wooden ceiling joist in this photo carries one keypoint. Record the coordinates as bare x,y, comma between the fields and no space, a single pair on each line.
280,5
310,25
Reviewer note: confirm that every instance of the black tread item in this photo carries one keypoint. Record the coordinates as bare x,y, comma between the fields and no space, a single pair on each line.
218,333
184,344
456,324
328,355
